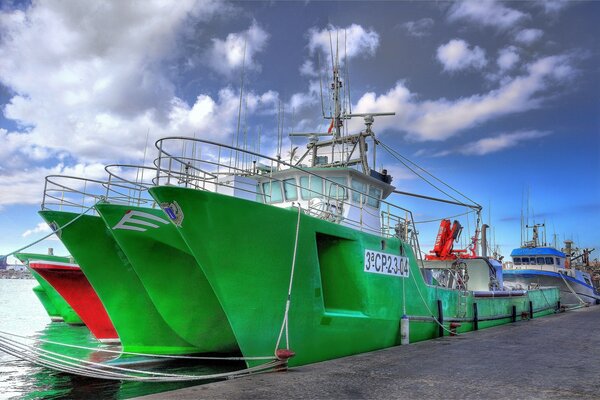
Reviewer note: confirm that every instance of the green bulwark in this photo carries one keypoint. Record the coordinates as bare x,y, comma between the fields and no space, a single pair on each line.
338,306
171,276
134,316
54,304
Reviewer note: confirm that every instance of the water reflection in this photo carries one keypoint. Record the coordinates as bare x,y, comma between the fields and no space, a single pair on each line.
32,382
23,380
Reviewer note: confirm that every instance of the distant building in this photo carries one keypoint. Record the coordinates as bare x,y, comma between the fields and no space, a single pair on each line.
3,263
17,267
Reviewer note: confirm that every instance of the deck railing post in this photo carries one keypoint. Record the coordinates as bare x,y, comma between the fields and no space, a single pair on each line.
158,163
440,319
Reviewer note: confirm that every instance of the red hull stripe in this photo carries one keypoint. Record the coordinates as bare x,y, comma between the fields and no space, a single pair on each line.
73,286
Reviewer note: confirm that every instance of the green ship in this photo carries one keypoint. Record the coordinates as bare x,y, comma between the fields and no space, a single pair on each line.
317,260
169,273
57,308
135,318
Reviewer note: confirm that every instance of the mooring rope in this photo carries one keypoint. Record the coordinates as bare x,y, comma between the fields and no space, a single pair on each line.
121,352
284,324
435,319
61,362
54,231
571,289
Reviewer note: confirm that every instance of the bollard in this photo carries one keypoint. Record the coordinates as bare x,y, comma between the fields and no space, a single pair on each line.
440,319
530,309
404,330
514,314
475,317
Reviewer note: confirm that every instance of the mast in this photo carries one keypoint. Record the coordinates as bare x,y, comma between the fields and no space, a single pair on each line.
335,128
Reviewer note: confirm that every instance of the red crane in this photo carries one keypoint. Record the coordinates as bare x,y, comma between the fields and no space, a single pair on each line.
444,243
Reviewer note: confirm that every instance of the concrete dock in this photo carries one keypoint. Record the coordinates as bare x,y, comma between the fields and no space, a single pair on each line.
554,357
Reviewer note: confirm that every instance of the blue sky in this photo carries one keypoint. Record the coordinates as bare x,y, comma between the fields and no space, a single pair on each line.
497,99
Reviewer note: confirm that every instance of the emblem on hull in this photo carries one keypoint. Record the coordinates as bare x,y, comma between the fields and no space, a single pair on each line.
173,211
138,220
55,228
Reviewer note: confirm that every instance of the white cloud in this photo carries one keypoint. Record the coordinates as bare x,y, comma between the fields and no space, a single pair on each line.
420,27
552,6
216,116
456,55
528,36
508,57
26,186
354,41
42,227
500,142
441,119
308,69
88,78
237,49
90,83
301,100
486,13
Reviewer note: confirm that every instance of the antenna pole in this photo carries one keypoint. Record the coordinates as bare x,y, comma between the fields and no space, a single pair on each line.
237,139
321,84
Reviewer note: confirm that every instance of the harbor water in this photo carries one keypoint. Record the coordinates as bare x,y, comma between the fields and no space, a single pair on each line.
22,314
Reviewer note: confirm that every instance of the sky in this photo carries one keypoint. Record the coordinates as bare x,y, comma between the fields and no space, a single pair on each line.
500,100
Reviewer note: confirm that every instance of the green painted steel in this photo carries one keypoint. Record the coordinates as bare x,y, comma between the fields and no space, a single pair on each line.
139,325
54,304
337,308
170,275
51,310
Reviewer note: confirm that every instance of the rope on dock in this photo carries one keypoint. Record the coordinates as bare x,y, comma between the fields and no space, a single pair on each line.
73,365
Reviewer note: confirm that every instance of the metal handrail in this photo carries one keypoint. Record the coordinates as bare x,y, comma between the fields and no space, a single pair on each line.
170,164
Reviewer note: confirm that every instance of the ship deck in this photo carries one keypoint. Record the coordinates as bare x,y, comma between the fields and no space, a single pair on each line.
553,357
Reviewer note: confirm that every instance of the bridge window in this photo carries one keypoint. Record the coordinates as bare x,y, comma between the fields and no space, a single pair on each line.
376,193
336,190
311,186
557,261
531,260
549,261
358,190
540,261
272,191
517,260
290,190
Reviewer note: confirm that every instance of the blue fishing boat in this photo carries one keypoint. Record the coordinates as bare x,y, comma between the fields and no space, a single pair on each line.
534,265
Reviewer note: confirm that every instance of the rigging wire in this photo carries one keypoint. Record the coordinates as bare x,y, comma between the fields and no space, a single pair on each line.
400,158
439,219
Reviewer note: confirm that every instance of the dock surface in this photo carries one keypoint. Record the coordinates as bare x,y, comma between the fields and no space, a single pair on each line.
553,357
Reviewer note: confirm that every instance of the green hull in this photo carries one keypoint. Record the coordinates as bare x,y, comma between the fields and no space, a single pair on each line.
47,304
54,304
337,308
136,320
170,275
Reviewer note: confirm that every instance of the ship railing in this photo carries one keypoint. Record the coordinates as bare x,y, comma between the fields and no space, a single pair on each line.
137,177
206,165
73,193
